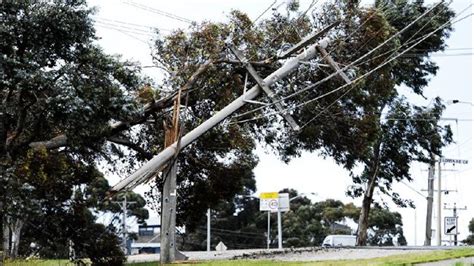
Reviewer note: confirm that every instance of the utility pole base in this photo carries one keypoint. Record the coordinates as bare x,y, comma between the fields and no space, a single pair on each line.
180,255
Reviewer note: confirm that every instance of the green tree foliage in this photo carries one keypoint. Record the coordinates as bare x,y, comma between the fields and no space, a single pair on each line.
347,124
470,238
59,94
405,135
240,224
385,228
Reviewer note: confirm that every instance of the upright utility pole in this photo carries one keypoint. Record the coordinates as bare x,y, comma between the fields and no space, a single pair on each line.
429,207
125,205
438,228
124,224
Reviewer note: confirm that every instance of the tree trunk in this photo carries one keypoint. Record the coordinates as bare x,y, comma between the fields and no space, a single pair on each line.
6,238
364,220
15,236
366,202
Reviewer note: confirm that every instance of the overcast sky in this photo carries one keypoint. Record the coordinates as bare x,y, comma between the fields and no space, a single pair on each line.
120,27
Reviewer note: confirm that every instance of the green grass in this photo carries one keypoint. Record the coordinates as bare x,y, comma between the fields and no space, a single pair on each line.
406,259
36,262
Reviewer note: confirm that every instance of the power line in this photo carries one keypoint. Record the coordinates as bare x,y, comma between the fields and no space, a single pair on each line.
233,231
159,12
352,82
413,189
126,28
265,11
407,42
119,22
348,66
126,33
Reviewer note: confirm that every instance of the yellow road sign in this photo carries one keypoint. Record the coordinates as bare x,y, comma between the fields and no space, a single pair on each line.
269,195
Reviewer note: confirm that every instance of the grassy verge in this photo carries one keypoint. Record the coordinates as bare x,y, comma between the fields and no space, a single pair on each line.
404,259
36,262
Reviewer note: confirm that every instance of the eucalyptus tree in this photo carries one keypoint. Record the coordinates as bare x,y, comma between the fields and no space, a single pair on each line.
349,124
470,238
62,95
337,120
66,104
59,94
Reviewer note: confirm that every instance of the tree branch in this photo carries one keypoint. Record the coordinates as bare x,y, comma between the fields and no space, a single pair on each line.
61,140
131,145
54,143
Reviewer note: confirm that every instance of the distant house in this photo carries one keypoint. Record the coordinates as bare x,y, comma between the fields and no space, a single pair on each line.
148,241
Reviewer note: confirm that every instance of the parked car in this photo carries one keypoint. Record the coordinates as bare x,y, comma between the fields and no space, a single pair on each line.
339,241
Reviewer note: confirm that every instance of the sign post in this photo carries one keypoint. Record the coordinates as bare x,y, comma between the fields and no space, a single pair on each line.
450,225
269,203
283,206
275,202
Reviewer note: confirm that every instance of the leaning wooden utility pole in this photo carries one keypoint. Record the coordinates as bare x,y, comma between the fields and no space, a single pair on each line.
154,165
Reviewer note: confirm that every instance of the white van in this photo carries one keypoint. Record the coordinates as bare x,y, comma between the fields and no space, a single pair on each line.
339,241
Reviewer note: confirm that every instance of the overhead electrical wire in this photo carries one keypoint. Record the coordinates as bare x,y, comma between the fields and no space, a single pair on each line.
135,31
365,55
337,72
330,51
373,70
357,79
393,52
265,11
121,23
129,34
159,12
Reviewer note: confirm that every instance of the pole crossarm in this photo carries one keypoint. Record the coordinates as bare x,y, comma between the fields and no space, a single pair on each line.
333,64
274,99
307,40
150,169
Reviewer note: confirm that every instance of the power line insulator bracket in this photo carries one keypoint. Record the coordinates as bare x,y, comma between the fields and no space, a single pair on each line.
261,83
